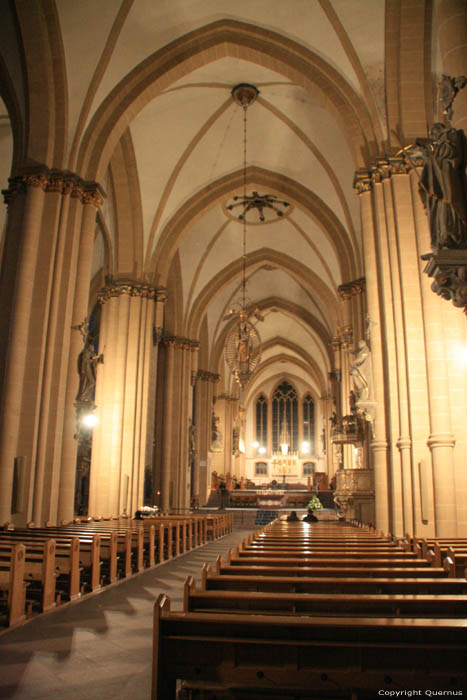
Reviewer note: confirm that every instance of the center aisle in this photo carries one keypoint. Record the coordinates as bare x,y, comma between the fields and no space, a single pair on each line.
99,648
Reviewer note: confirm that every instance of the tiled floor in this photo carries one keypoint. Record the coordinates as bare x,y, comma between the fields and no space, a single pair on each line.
99,648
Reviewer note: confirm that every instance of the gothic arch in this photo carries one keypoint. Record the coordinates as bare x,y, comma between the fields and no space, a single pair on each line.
209,43
302,197
45,83
304,276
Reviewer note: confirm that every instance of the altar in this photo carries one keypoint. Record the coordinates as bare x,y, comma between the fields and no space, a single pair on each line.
284,467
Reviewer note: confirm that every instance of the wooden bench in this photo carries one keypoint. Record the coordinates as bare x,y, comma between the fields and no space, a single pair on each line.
67,561
282,583
38,568
456,550
299,653
370,605
88,567
238,568
13,585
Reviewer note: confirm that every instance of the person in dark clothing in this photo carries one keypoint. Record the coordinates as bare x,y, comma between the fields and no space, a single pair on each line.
293,517
309,517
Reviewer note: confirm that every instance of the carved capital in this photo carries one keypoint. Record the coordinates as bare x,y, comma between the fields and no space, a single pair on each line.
206,376
92,195
381,170
448,268
362,182
227,397
180,343
398,165
350,289
36,179
77,190
129,288
55,181
161,294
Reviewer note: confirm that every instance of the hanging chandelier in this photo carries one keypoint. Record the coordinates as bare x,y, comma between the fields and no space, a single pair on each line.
243,344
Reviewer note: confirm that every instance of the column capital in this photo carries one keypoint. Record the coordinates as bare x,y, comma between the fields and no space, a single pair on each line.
385,167
161,294
227,397
180,343
132,288
362,181
56,181
206,376
351,289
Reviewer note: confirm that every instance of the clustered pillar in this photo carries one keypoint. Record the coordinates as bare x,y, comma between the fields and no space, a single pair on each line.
410,359
45,287
121,451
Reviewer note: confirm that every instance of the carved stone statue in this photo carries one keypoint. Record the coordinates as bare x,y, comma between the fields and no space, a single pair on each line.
443,187
235,442
87,360
361,372
243,348
191,438
217,445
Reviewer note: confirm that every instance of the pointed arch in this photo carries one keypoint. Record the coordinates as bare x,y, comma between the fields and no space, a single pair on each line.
204,45
288,188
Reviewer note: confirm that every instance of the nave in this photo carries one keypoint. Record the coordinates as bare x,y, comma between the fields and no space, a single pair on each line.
99,648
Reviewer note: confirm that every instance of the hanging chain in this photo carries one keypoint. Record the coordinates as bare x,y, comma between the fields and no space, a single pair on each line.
245,107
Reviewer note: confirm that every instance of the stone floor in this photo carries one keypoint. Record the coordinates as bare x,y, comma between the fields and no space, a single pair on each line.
99,648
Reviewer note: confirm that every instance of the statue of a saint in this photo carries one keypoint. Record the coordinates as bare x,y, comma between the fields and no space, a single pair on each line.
235,442
443,187
87,360
216,445
361,372
191,439
243,348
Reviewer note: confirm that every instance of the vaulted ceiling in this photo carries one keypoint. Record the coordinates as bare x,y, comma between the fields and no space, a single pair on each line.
140,93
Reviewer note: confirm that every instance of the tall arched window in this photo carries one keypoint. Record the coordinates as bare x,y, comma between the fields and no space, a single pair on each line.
309,422
262,421
285,415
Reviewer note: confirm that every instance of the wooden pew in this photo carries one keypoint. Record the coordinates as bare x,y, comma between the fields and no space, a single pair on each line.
370,605
67,560
299,653
38,567
119,550
282,568
88,568
13,585
332,584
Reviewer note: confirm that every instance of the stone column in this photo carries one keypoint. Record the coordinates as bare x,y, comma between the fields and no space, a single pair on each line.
91,200
30,193
201,475
121,448
394,230
184,413
441,440
60,267
379,442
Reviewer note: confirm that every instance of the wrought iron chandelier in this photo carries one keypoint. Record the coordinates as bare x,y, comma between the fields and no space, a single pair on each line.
243,344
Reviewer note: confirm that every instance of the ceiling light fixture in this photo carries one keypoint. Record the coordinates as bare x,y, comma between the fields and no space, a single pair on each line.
243,344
